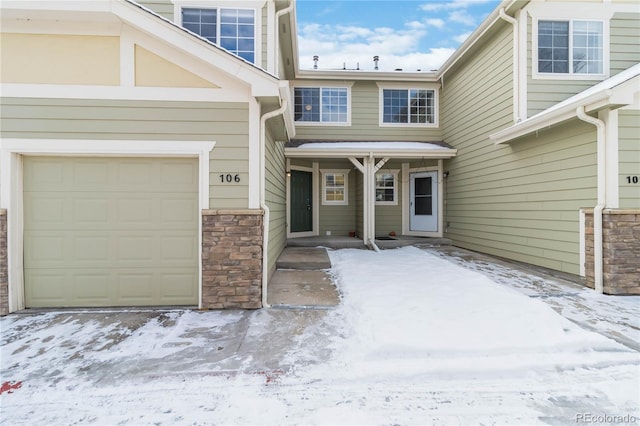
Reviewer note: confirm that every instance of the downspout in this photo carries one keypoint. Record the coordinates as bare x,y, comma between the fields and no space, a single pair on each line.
516,67
601,203
263,202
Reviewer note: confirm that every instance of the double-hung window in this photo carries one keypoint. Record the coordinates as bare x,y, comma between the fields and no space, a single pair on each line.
387,187
321,105
570,47
232,29
408,106
334,187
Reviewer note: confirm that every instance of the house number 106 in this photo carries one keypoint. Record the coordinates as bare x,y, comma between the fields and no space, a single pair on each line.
228,178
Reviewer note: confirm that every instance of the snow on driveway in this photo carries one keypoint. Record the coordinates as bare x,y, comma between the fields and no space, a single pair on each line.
416,340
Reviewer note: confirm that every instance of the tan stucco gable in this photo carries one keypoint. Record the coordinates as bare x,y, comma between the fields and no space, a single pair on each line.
152,70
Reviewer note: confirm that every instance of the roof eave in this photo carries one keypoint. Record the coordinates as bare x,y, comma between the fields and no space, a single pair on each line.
349,152
613,98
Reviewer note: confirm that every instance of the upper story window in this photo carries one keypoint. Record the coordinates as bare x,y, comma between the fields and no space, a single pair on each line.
413,106
321,105
232,29
571,47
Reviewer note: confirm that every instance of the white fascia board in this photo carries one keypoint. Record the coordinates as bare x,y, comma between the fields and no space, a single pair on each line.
58,5
616,97
346,153
285,94
262,83
356,75
507,5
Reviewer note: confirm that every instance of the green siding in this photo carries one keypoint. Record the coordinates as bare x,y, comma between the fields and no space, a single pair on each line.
163,8
224,123
275,198
265,33
520,201
389,218
340,220
365,118
625,48
544,93
624,53
629,157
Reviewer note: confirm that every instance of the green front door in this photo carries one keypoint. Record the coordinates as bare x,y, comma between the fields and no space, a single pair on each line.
301,190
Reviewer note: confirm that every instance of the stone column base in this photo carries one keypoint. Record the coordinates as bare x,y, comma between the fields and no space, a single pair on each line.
4,281
232,259
620,251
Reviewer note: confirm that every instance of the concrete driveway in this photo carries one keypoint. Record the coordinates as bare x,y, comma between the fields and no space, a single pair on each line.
104,348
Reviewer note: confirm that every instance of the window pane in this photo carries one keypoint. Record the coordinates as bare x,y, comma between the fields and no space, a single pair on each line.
553,46
587,47
424,206
423,186
201,22
237,31
396,104
307,104
334,104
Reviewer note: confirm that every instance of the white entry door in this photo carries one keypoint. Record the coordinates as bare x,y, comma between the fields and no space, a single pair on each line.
423,202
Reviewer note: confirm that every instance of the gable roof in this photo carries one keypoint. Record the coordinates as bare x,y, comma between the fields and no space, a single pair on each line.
614,92
262,83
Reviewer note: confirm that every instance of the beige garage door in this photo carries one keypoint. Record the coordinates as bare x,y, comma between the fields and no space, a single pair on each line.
110,231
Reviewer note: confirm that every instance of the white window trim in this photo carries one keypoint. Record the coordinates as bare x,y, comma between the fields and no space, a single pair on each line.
12,151
536,75
395,173
326,202
257,6
309,85
395,86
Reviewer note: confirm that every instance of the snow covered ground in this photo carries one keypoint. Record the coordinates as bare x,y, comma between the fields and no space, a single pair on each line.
416,340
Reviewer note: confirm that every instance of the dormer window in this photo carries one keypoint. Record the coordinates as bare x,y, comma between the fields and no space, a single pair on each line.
232,29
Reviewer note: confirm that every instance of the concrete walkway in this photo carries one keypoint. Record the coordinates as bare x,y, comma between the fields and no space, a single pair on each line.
302,281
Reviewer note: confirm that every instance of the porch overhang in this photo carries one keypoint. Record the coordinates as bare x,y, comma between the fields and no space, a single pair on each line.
386,149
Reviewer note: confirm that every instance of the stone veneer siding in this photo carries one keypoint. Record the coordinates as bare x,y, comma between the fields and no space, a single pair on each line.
4,282
620,251
232,259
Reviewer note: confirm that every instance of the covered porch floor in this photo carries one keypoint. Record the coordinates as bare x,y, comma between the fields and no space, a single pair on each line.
340,242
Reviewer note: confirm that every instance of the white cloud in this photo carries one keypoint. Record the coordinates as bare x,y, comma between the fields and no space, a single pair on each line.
462,37
450,5
435,22
350,46
462,17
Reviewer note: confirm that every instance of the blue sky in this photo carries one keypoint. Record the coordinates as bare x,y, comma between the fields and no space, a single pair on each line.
408,34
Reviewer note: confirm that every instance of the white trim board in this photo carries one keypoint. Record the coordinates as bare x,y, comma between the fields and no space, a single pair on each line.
12,150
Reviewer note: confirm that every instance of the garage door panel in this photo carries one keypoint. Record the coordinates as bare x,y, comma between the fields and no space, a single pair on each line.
136,288
178,210
43,211
91,288
135,211
178,249
46,288
44,248
111,231
176,287
88,210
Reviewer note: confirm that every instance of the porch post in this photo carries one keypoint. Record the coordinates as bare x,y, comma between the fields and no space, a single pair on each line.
363,168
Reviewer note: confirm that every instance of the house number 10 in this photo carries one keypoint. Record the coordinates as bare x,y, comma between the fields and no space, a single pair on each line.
228,178
632,179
